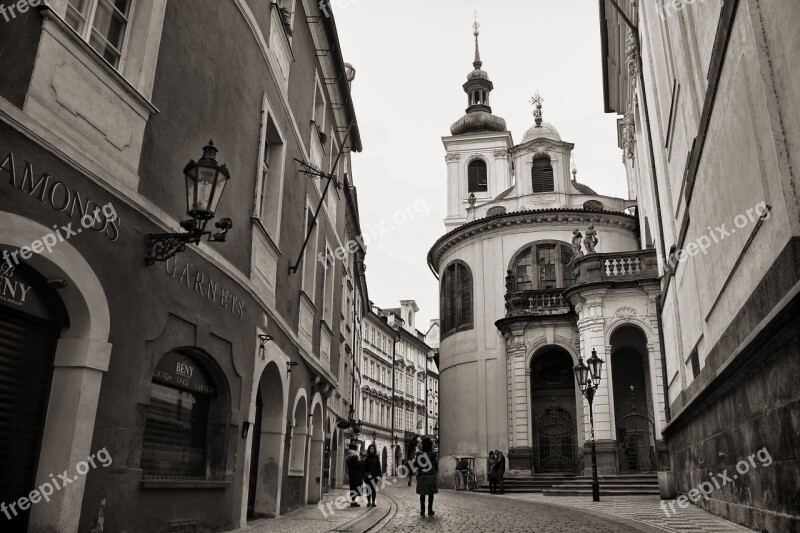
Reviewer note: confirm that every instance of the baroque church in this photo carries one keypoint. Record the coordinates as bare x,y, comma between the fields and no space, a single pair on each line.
536,271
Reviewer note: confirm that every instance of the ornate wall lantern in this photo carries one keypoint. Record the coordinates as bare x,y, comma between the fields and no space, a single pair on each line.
205,182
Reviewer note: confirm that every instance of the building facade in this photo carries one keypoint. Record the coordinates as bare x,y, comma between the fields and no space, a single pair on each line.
537,271
400,384
206,377
707,94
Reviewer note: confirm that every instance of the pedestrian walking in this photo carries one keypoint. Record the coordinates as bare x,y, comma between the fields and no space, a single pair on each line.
461,474
500,470
355,473
426,476
372,473
490,463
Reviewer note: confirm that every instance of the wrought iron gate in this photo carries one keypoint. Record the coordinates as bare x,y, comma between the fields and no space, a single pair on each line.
635,443
555,450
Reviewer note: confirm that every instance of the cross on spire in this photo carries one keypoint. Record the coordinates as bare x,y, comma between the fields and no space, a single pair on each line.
537,112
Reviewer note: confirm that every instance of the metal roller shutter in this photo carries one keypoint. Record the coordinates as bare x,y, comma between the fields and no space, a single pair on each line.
27,348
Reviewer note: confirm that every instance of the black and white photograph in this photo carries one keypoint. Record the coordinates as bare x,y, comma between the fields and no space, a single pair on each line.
398,266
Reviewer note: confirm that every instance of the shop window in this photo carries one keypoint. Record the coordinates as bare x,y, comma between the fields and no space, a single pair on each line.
542,175
456,299
103,23
179,418
476,176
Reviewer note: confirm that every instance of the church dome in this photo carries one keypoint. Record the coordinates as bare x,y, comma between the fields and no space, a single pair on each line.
478,74
478,121
545,131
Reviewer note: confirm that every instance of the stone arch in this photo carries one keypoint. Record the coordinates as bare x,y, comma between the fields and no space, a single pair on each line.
267,437
316,433
298,433
82,357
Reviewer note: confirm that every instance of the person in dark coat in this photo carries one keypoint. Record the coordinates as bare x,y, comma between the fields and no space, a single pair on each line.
490,463
372,473
428,467
500,470
355,473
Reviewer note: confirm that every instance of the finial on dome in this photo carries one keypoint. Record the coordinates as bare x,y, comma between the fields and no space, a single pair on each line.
537,112
477,63
574,166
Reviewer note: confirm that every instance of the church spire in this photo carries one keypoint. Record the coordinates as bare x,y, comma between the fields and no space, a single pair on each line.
477,63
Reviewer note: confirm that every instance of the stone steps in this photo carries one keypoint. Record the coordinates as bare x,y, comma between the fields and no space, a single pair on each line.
566,485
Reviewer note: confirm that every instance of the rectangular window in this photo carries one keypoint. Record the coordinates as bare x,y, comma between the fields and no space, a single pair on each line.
269,189
103,23
310,255
327,293
546,260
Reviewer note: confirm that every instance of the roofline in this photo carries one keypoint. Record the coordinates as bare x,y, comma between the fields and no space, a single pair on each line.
511,214
336,48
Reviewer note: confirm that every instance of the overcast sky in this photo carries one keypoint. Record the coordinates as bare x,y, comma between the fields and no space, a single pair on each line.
411,59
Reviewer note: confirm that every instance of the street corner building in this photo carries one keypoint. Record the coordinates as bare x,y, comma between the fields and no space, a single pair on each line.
696,326
186,305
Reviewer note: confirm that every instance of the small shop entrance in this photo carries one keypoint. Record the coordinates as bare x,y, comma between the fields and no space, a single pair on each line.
31,318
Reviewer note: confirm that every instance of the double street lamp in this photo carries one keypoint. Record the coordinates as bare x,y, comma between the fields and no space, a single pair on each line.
588,378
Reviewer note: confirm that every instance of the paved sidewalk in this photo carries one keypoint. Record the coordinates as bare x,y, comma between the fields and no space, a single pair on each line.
643,509
311,518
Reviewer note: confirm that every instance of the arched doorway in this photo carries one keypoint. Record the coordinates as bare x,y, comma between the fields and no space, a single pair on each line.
553,411
334,457
31,318
384,459
398,458
632,406
315,454
268,434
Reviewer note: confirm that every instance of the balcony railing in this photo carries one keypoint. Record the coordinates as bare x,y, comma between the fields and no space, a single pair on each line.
542,303
616,266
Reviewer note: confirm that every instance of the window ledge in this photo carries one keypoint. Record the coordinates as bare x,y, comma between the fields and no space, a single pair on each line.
184,484
105,66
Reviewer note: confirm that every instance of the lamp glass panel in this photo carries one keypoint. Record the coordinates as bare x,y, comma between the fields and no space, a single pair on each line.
222,180
596,366
206,179
191,189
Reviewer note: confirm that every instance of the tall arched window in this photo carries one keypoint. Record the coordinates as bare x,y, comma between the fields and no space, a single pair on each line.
544,265
542,175
476,176
456,299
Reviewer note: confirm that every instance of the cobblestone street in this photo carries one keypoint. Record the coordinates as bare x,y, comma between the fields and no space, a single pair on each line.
398,512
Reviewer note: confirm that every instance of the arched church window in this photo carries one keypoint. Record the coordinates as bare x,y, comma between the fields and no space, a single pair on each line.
180,416
476,176
456,299
544,265
542,175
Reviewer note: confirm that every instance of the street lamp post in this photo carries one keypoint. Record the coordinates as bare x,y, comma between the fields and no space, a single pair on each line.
588,378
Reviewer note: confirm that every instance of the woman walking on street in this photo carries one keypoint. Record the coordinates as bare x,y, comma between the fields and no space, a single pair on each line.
354,473
490,462
426,476
372,473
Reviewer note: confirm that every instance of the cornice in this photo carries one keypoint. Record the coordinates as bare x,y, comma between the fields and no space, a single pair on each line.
554,216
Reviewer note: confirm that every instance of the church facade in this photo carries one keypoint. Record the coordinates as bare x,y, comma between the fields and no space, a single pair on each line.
536,272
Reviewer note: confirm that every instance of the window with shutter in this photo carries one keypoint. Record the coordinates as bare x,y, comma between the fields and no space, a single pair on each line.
542,175
477,176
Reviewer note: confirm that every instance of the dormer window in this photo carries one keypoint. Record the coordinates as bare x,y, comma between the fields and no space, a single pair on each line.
476,176
542,175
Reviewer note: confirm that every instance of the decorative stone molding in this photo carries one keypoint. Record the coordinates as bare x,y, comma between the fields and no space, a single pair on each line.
629,135
631,58
452,157
626,313
500,154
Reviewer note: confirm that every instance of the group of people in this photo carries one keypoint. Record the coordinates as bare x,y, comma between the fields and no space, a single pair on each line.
368,471
360,472
495,471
